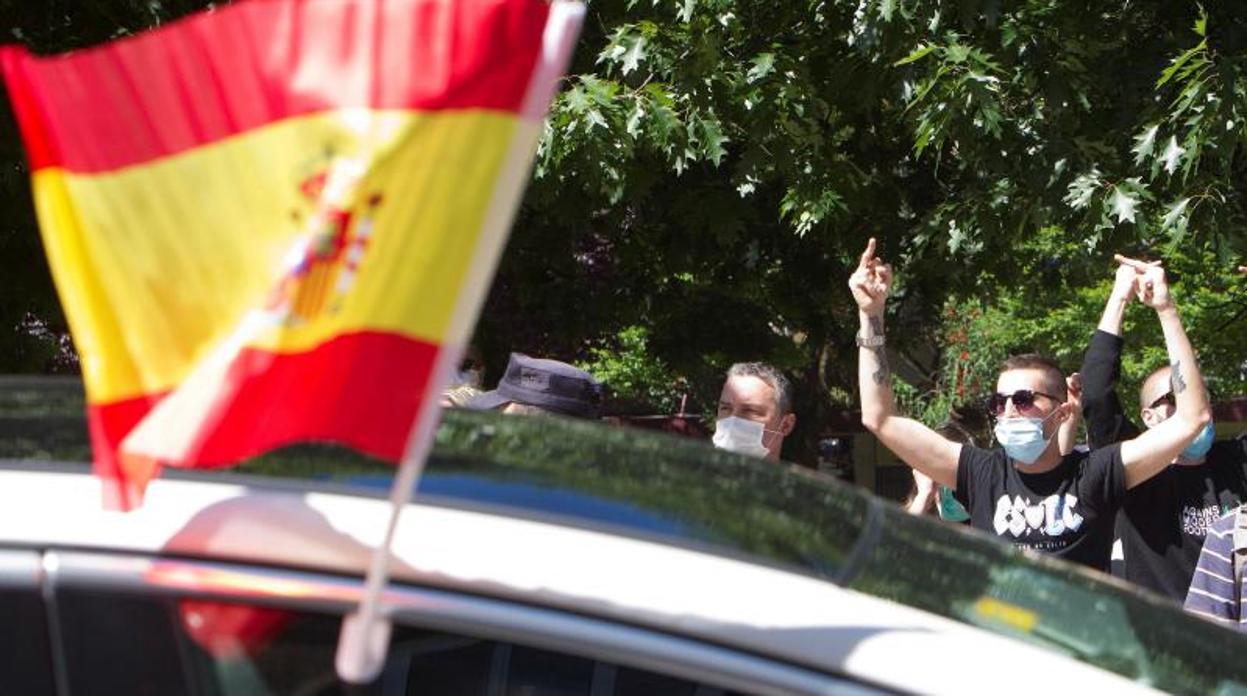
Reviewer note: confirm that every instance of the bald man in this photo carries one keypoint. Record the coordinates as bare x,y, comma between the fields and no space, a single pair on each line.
1163,522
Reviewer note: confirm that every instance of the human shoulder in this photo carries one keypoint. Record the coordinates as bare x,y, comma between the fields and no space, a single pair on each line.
1212,591
1101,476
1230,450
1103,456
978,467
1219,539
975,455
1228,457
1100,459
1223,528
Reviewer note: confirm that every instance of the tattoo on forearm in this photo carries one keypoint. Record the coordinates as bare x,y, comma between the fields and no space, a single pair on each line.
881,374
1175,378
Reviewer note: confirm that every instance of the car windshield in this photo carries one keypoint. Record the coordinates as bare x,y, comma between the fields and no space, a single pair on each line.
684,492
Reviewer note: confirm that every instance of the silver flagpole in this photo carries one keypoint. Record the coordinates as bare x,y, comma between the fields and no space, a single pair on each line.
365,636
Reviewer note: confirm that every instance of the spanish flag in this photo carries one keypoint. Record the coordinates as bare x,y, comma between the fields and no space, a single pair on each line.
276,221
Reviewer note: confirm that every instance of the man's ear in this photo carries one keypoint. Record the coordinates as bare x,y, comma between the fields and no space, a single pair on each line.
787,423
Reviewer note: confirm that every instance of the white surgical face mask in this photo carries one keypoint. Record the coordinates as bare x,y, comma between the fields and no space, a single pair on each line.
1022,437
739,435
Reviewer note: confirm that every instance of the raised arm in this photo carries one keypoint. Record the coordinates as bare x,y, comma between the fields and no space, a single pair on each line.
1101,366
917,445
1125,287
925,495
1154,449
1067,432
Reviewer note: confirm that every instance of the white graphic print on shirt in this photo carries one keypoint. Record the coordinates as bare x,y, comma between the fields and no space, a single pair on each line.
1052,516
1196,521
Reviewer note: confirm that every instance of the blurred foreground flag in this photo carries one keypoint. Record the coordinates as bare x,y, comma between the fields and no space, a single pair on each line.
276,221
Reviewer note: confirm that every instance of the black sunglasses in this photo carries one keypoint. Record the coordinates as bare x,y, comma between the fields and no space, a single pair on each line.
1166,398
1022,399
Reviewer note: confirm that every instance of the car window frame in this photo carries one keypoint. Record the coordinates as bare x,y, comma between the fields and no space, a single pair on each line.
25,570
450,611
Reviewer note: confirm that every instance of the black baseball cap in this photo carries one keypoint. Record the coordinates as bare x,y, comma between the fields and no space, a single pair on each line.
548,384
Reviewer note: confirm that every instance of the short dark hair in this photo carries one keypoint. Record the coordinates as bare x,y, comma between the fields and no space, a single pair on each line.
1035,361
770,375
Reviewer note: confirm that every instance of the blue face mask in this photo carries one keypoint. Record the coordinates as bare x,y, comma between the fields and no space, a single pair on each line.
1201,444
1022,438
949,508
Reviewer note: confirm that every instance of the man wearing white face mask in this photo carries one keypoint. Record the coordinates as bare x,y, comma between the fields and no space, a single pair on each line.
1163,523
755,411
1028,493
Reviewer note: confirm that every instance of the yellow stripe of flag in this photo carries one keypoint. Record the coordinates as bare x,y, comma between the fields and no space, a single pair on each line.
225,219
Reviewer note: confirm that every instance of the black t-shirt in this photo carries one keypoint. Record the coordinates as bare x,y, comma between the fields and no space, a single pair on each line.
1067,512
1163,520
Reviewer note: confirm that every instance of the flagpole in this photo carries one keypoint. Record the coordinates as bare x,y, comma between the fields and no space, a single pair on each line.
364,640
365,637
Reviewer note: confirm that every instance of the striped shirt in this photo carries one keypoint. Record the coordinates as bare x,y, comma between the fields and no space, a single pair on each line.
1213,594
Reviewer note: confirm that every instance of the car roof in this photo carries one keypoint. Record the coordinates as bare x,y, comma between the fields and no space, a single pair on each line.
754,608
684,494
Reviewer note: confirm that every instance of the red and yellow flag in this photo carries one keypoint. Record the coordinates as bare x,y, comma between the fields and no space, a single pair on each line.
276,221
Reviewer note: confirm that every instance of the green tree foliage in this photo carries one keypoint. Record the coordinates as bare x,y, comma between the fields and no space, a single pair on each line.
715,166
712,168
636,379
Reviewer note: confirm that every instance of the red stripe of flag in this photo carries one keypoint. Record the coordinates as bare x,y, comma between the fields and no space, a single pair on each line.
257,62
360,390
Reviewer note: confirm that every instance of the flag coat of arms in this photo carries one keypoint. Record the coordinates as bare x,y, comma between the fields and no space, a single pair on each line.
276,221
